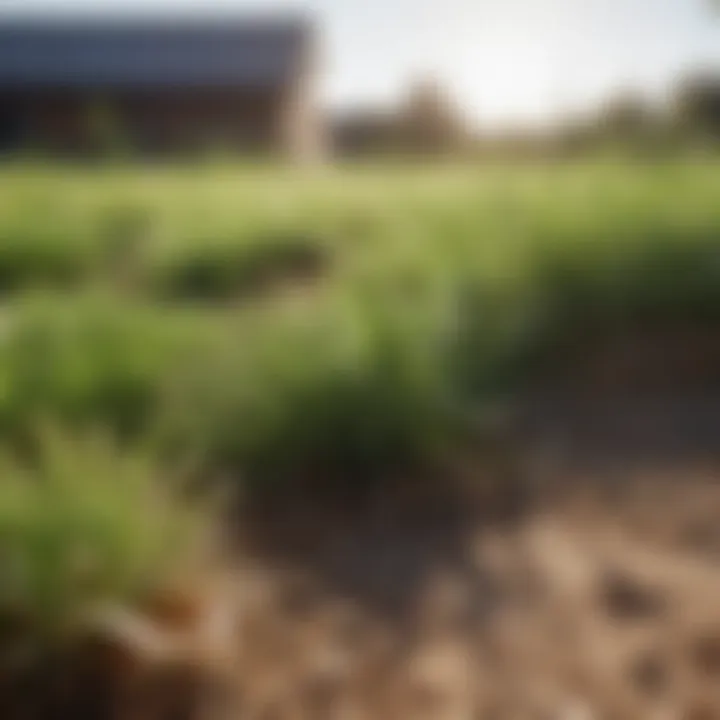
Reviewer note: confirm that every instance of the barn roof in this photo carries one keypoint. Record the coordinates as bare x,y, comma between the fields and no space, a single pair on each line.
150,52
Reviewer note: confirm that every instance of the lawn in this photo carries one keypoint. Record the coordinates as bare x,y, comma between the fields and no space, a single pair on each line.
269,324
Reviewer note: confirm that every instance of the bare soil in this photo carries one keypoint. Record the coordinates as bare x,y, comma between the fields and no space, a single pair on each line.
574,575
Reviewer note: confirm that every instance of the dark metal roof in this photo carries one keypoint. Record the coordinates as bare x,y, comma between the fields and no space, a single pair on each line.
150,52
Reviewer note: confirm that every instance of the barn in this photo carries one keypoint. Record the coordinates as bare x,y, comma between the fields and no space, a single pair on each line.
160,86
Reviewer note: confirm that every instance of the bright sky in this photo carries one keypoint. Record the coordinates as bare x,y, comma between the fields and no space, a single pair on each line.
504,60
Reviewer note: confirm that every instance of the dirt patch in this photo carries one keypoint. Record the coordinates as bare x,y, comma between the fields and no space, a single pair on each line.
639,359
589,604
596,597
435,612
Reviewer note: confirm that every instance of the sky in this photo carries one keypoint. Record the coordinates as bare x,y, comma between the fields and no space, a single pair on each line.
503,61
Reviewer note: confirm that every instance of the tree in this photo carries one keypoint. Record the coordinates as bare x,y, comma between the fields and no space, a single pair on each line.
627,116
429,123
697,104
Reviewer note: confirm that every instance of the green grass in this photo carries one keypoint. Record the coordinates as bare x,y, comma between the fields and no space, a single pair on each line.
81,525
423,294
271,326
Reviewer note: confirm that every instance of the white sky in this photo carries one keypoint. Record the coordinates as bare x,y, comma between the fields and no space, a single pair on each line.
504,60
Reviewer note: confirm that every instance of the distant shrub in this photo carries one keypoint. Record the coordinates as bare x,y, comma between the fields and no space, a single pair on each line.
234,269
660,275
344,398
42,257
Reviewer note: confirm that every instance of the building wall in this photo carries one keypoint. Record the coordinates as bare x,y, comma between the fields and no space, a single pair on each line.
301,131
169,121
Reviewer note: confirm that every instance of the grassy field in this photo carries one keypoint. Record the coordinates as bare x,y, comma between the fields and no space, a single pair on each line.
267,325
